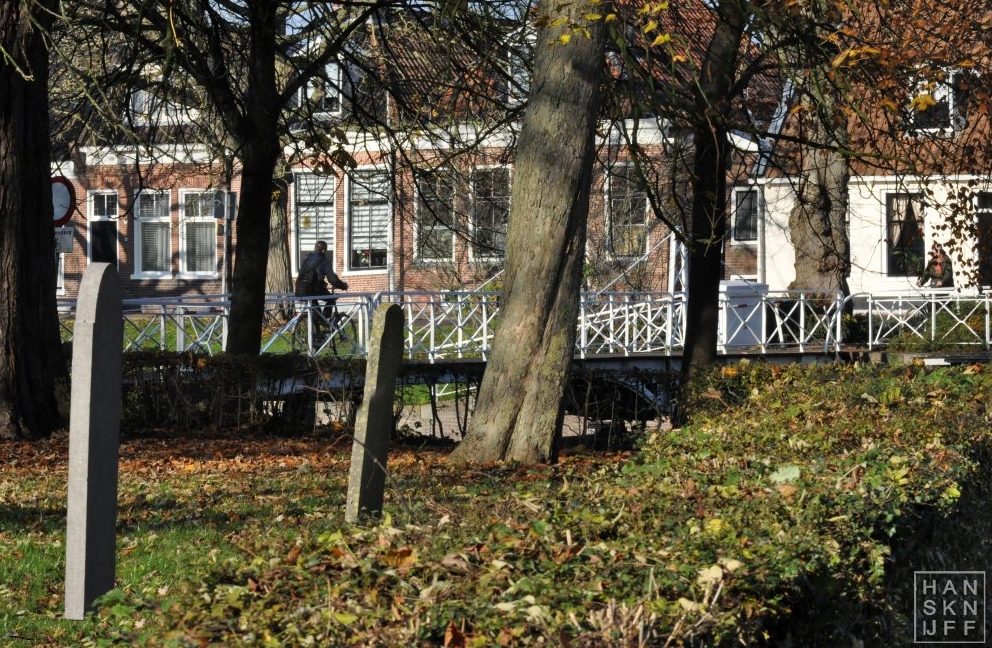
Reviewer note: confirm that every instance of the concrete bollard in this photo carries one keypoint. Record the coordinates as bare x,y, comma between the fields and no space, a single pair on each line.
94,439
374,422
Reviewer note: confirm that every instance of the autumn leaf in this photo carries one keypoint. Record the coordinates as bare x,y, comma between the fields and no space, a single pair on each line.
402,559
922,102
453,637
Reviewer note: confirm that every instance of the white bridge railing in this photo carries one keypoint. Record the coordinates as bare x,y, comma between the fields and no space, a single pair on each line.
447,325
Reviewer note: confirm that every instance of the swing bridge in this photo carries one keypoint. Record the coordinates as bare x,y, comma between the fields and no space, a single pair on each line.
628,344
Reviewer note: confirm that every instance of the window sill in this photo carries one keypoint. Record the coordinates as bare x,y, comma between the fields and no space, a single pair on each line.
198,276
424,261
151,276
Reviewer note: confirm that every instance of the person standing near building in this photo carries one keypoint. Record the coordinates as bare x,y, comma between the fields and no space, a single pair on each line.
938,273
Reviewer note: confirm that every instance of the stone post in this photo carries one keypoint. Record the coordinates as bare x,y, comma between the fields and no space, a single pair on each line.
374,422
94,437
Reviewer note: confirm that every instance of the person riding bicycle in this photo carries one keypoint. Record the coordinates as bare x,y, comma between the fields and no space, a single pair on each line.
318,261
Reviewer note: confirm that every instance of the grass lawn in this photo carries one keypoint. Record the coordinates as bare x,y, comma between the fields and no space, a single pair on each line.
793,510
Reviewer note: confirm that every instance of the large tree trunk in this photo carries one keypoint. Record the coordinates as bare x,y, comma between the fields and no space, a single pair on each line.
251,258
816,224
31,360
519,410
257,135
709,187
278,277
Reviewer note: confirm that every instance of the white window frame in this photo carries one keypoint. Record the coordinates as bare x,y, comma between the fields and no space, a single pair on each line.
637,190
357,211
142,220
433,209
735,198
476,253
914,199
314,213
330,82
926,89
103,216
212,204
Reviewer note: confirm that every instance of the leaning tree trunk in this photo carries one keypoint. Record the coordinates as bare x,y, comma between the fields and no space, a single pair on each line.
816,224
519,410
709,188
31,360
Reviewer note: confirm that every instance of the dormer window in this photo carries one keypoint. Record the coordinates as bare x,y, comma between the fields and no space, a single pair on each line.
322,93
939,100
519,52
151,105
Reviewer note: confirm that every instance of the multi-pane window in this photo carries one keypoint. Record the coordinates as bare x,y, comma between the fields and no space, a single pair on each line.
745,218
198,231
369,219
490,211
628,205
103,227
435,216
314,213
153,225
322,93
904,224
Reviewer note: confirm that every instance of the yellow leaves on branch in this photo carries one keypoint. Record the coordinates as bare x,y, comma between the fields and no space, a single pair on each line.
652,7
854,55
922,101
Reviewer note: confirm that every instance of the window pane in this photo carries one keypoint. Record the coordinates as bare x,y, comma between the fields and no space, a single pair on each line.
155,247
628,214
324,93
314,212
104,205
746,215
153,205
435,216
370,217
201,247
103,242
199,204
904,215
490,211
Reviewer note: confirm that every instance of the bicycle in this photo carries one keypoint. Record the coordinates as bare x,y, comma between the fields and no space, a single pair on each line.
332,330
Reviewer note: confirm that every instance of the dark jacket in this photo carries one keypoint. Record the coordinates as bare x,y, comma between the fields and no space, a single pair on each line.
938,275
325,274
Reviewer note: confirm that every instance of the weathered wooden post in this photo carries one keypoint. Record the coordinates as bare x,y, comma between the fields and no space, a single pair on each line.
374,422
94,437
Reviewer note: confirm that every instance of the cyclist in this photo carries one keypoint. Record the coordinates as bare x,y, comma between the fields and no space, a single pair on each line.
318,261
